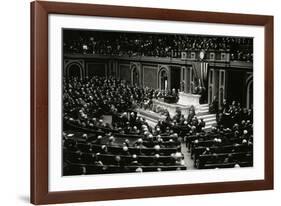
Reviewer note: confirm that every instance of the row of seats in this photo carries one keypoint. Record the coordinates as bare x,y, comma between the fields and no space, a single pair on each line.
103,131
204,161
220,150
83,169
112,159
227,165
83,154
133,150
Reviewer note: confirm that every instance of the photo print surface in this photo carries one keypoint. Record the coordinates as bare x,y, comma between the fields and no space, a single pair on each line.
154,102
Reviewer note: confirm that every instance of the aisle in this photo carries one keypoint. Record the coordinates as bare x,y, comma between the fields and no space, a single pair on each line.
187,158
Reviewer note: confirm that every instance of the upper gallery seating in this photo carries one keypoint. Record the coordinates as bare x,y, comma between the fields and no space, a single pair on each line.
130,44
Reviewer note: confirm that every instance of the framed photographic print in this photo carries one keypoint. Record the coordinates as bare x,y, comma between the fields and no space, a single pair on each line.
133,102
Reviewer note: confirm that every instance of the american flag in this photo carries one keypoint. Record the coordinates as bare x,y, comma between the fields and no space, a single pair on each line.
200,70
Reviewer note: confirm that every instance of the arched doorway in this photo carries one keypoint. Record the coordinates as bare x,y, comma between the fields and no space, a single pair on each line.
135,76
74,71
163,79
250,94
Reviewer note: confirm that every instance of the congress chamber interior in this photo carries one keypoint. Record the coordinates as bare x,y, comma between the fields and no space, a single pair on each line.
153,102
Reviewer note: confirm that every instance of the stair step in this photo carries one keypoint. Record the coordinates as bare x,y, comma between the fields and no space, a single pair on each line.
148,114
152,117
203,112
149,118
203,109
211,123
208,115
207,127
210,120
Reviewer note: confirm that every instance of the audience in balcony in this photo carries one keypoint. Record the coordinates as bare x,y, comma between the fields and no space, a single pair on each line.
156,45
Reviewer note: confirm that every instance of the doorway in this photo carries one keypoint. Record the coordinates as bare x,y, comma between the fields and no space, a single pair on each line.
175,78
163,77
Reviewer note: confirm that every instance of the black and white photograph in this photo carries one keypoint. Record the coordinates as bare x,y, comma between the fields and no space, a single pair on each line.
138,102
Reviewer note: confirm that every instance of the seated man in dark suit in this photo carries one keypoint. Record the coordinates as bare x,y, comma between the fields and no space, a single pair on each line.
201,125
149,142
125,151
156,161
98,140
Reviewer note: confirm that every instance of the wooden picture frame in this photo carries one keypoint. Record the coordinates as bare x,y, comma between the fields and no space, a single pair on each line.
39,102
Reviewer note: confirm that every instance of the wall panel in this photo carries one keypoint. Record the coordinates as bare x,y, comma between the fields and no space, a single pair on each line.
125,72
96,69
150,76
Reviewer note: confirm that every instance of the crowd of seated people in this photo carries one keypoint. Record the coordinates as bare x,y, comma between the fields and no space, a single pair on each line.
157,45
181,124
85,101
130,144
109,152
111,147
109,95
229,144
229,114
